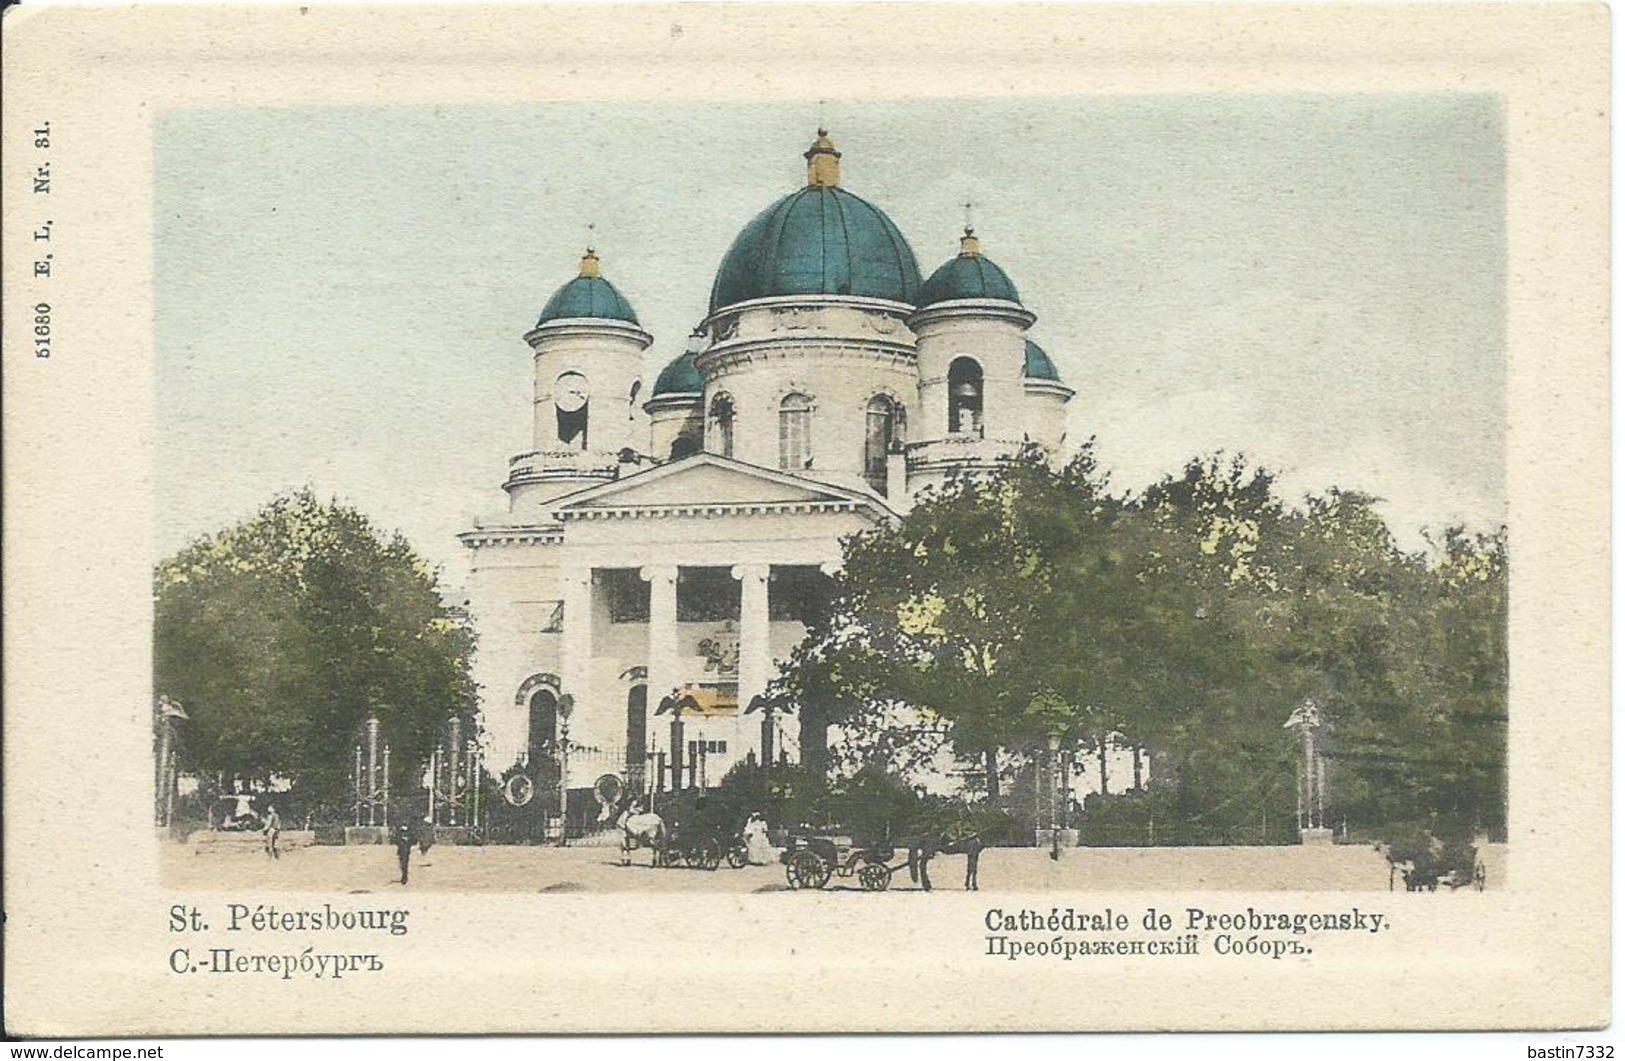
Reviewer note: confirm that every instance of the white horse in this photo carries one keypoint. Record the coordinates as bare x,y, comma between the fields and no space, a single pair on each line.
646,829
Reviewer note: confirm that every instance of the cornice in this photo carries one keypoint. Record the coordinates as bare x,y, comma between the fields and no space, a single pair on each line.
674,400
729,356
708,509
1048,386
885,305
488,537
973,309
588,327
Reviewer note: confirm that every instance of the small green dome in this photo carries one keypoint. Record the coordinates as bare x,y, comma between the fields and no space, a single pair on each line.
588,295
1039,366
818,241
682,376
970,275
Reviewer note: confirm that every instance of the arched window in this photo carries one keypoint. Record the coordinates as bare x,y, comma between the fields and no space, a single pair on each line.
795,432
570,403
965,397
722,425
883,428
544,727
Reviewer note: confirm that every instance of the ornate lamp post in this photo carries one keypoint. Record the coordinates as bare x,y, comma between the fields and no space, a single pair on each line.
1308,723
768,706
372,769
167,714
566,707
1054,787
674,704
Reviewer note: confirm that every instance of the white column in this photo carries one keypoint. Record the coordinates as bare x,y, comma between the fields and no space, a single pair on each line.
575,649
755,650
662,661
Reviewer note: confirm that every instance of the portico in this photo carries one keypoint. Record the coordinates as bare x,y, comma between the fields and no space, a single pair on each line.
682,584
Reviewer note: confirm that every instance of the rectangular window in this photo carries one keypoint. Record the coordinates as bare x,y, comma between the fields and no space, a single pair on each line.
709,747
795,438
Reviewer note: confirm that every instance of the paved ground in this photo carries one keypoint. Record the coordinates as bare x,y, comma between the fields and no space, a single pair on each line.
598,869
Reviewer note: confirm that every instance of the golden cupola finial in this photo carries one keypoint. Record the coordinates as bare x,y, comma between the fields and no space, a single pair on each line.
589,264
823,162
969,245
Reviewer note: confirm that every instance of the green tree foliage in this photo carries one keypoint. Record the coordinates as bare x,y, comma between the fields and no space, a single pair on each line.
1036,606
940,611
281,635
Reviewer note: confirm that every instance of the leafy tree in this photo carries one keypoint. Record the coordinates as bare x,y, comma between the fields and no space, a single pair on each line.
938,611
1035,605
281,635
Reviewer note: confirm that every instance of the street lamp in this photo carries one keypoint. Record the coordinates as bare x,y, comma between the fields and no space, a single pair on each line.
768,706
674,703
167,714
1307,722
1054,797
566,707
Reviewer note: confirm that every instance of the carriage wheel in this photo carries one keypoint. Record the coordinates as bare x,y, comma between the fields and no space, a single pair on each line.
692,857
710,855
805,870
874,877
738,857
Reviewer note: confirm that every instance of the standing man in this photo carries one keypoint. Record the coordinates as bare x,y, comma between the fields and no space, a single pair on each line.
273,829
405,835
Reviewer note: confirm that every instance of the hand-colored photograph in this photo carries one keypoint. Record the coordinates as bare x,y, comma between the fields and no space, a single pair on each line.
1071,494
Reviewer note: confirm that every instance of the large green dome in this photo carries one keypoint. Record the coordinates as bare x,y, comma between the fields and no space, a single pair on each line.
588,295
821,240
818,241
681,376
970,275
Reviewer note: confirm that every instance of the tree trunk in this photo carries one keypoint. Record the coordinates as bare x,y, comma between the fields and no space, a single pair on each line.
991,759
1103,739
1139,781
814,739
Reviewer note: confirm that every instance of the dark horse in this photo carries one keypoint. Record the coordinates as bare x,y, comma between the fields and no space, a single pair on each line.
921,850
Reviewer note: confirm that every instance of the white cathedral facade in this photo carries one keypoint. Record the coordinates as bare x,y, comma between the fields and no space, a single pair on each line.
663,541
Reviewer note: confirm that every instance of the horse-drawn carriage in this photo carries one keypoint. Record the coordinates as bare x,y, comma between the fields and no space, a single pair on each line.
697,844
811,860
693,846
1425,865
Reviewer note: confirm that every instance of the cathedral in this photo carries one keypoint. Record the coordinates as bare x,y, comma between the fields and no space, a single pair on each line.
663,542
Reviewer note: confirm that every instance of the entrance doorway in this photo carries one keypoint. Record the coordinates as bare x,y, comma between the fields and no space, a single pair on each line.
637,743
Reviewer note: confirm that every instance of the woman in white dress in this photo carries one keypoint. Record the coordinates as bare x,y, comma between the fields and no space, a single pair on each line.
758,848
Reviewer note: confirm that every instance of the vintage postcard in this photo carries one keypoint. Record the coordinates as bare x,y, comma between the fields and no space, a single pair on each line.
1024,502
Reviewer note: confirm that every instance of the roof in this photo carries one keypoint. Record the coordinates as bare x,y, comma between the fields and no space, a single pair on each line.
1039,365
968,276
818,241
588,296
681,376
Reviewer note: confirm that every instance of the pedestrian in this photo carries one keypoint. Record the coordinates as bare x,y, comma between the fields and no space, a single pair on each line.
273,829
405,835
759,850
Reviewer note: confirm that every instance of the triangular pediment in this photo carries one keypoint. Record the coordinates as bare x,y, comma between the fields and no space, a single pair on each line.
706,479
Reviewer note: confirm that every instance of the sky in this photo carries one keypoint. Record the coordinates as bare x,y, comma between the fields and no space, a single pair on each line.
1314,281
